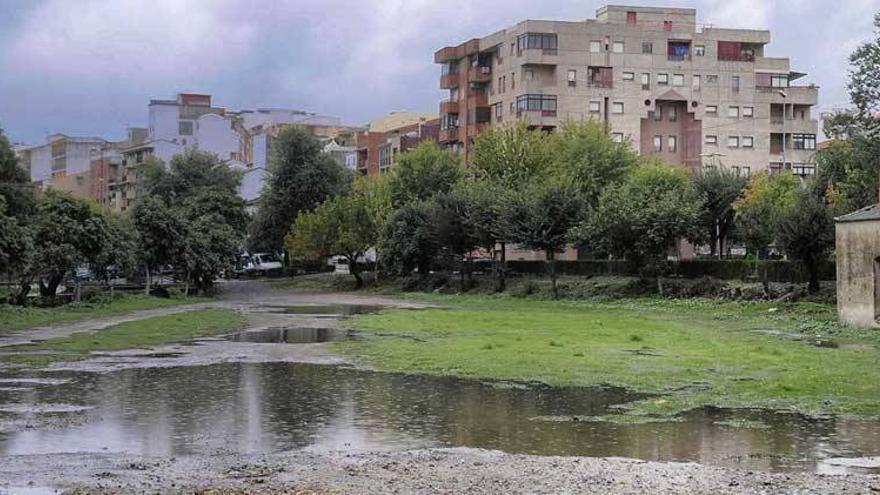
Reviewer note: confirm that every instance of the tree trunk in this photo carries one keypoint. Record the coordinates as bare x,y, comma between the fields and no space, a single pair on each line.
76,289
501,269
551,268
21,297
659,283
355,271
813,270
147,281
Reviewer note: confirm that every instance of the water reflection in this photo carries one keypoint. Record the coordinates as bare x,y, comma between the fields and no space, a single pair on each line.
272,407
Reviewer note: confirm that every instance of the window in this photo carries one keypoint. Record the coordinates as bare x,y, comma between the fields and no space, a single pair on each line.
734,84
647,47
185,128
667,25
595,46
546,104
803,141
778,81
617,137
617,107
658,113
617,47
499,109
512,81
629,76
733,112
658,143
710,139
748,142
543,41
673,114
595,107
748,111
678,79
572,77
713,109
630,17
662,79
530,74
745,170
500,87
803,169
512,107
646,80
712,79
670,144
733,141
697,80
699,50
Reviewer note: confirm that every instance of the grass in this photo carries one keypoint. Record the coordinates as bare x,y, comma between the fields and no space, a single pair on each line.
129,335
14,318
690,353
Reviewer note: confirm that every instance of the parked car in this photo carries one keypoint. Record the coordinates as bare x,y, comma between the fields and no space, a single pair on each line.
258,264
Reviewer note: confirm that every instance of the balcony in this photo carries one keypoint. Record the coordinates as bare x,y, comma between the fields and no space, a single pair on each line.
478,99
449,81
795,126
799,95
449,135
479,75
538,118
449,106
539,56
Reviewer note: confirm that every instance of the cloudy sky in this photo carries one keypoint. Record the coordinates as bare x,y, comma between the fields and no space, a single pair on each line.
89,67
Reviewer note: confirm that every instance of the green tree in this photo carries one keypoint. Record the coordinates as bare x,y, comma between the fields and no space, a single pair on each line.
16,254
806,232
757,213
160,231
720,187
421,173
459,237
68,232
15,182
299,178
864,78
584,154
411,239
541,216
642,218
341,226
118,255
852,169
511,155
376,193
486,202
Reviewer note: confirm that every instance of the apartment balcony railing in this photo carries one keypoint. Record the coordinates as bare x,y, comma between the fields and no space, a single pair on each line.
449,106
539,56
449,81
449,134
801,95
480,74
601,84
677,58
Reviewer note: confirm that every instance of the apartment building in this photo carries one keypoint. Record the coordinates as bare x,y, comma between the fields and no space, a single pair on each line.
379,146
687,94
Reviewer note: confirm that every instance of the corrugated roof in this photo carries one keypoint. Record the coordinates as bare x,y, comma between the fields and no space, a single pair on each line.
867,213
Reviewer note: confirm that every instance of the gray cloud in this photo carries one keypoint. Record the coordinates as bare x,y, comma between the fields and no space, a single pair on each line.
89,67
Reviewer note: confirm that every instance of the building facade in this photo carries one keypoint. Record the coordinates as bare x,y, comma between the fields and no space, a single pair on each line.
387,137
683,93
857,254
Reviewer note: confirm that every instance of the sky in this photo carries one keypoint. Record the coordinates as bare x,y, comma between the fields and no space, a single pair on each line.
90,67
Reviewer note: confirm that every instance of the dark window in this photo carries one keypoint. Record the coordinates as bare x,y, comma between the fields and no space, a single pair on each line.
630,17
647,47
678,50
667,25
185,128
600,77
803,141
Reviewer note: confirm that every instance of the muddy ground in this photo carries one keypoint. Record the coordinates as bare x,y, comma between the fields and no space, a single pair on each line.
421,471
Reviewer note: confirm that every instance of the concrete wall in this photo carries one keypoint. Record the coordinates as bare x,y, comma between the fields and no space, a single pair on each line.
214,134
858,244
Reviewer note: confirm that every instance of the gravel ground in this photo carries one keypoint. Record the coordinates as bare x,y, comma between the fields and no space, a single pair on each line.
421,471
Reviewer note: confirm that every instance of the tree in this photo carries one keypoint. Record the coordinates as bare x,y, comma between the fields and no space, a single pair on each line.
15,183
584,154
459,237
68,232
757,213
806,232
376,193
510,155
852,169
411,239
118,253
423,172
541,217
720,187
486,203
299,178
341,226
192,218
16,254
864,78
642,218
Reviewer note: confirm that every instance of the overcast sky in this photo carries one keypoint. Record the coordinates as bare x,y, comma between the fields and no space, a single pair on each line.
89,67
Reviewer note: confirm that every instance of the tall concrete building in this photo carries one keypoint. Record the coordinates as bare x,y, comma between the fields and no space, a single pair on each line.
684,93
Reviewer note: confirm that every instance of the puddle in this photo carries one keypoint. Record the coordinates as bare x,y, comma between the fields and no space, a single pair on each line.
41,408
272,407
842,465
326,310
32,381
288,335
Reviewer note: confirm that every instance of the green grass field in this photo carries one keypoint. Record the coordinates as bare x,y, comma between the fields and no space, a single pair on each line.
14,318
130,335
689,352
